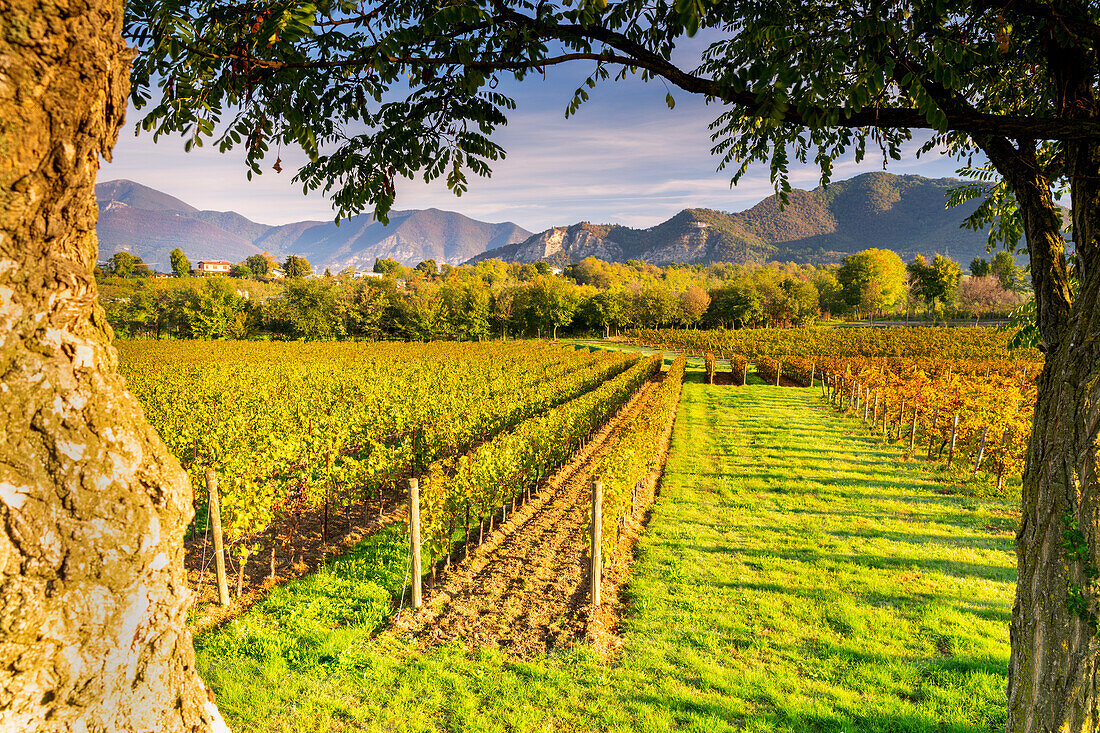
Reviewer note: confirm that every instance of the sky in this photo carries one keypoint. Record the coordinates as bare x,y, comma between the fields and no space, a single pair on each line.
624,158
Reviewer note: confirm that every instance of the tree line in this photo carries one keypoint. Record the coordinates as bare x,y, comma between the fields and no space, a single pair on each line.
497,299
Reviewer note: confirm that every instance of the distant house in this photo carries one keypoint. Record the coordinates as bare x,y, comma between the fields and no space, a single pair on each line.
374,275
556,271
214,267
277,274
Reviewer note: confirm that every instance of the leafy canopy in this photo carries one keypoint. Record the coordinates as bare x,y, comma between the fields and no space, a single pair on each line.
373,91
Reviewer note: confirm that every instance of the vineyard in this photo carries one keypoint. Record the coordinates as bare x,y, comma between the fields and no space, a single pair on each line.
294,428
535,510
981,409
954,391
788,574
913,343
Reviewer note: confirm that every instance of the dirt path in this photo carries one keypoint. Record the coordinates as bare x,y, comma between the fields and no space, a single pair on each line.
526,588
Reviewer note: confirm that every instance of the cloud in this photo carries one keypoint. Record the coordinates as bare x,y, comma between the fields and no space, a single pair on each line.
624,158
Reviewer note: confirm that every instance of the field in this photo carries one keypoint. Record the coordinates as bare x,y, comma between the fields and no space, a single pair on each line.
774,560
795,575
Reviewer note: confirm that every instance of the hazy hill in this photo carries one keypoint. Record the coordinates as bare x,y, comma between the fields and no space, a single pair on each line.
150,224
139,197
904,213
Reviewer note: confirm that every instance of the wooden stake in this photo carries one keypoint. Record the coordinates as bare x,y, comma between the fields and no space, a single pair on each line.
414,541
216,528
597,543
913,430
981,449
954,432
931,435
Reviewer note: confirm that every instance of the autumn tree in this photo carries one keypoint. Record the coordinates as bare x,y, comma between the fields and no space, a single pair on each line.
985,294
1005,268
258,265
934,282
124,264
554,302
693,304
295,267
181,266
872,281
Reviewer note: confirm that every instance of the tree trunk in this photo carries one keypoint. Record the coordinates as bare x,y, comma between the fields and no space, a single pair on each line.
1053,671
1053,682
93,508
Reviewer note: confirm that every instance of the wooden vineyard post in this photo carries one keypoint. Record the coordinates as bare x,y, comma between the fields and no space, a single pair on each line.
778,371
874,418
813,366
214,508
824,394
931,434
954,432
981,449
885,415
414,541
913,430
866,404
597,543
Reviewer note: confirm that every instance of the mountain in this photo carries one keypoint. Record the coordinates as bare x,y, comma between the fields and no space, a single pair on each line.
151,234
150,224
904,213
139,197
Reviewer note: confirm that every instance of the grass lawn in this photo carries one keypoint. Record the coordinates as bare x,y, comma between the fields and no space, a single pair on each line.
796,576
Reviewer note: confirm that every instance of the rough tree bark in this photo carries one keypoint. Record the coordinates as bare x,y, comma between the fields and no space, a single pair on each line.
1053,682
92,506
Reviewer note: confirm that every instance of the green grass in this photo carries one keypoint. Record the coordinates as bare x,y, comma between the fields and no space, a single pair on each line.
796,576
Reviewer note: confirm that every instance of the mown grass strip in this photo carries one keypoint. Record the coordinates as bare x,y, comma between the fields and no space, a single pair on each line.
795,577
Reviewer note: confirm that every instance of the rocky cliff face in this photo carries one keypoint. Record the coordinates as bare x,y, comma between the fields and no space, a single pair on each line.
684,238
562,245
907,214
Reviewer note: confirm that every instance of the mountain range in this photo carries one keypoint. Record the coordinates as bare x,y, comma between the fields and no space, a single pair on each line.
150,224
905,213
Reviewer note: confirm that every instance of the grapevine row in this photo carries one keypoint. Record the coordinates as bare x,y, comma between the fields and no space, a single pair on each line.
457,491
635,452
810,342
287,428
954,408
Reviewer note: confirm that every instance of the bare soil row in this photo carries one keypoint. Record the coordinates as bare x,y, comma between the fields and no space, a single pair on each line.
526,589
